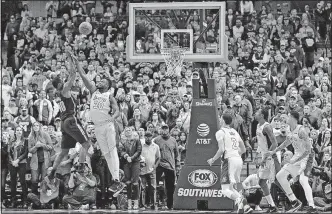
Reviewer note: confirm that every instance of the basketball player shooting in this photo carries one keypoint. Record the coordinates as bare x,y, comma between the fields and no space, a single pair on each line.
266,142
103,111
299,138
231,147
71,128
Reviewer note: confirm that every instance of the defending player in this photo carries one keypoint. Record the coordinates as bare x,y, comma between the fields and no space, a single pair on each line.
72,131
266,142
299,138
231,147
103,111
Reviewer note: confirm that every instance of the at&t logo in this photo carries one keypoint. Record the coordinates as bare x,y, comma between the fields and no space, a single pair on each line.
203,130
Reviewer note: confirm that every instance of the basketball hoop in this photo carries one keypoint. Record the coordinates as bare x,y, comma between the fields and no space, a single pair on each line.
174,57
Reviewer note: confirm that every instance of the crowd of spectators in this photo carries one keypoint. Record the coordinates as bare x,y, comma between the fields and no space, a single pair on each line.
272,63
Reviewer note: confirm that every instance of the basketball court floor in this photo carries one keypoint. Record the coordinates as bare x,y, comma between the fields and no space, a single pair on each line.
117,211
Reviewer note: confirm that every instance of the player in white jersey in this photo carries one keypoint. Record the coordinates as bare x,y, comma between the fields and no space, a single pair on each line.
103,111
266,142
231,147
299,138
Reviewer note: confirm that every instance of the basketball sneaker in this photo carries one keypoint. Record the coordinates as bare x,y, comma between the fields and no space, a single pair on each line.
117,187
272,210
295,206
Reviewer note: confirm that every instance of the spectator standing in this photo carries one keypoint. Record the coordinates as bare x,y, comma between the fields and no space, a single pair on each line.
130,150
309,48
4,164
18,153
6,89
169,162
12,27
151,156
25,121
40,145
246,8
320,20
44,109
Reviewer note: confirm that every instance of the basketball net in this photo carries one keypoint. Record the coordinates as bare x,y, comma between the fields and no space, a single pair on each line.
173,57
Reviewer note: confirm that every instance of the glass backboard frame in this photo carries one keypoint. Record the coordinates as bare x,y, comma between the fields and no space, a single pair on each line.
189,31
223,40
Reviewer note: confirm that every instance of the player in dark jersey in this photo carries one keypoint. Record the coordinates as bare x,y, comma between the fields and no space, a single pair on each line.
25,121
72,130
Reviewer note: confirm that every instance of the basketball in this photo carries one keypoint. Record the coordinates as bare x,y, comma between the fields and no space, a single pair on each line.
85,28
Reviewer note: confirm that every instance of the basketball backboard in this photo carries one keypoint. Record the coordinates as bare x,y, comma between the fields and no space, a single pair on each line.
197,26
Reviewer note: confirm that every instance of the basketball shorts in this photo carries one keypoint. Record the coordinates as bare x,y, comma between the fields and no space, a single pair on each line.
106,137
231,170
297,168
267,170
72,132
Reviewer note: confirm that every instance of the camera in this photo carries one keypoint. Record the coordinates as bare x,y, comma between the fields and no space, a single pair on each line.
319,172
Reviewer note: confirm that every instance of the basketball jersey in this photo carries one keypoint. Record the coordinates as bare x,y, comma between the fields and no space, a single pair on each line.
100,107
26,125
263,147
231,140
67,107
297,143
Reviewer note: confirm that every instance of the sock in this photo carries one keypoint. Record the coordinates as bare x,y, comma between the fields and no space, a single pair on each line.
307,190
270,200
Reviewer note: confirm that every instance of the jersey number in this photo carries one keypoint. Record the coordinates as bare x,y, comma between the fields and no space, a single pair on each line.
24,126
98,104
62,106
234,141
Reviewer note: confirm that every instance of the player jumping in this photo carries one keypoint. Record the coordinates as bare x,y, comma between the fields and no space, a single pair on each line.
231,147
266,142
299,138
72,130
103,111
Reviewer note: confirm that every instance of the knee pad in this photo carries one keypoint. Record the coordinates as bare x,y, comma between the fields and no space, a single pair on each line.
135,184
127,183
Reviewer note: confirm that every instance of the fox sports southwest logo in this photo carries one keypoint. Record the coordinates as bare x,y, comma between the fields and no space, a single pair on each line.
202,178
203,130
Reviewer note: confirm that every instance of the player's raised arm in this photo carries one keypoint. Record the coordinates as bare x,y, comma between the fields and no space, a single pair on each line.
92,88
71,79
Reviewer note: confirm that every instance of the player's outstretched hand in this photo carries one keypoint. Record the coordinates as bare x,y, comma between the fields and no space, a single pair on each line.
71,56
210,161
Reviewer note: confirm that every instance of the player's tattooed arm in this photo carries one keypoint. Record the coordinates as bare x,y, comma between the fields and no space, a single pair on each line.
268,131
303,135
286,143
